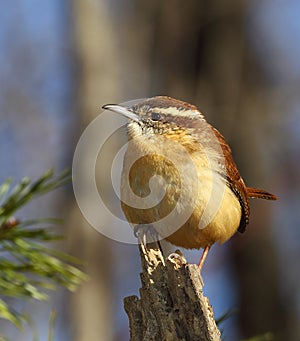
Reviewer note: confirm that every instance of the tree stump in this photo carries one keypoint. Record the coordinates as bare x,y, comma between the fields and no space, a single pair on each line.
172,305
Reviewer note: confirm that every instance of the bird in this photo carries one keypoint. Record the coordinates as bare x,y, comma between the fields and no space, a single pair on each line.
197,182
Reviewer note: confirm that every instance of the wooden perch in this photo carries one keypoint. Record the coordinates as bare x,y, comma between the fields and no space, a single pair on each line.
172,306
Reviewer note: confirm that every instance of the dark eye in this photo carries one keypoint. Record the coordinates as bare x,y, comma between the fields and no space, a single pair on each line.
155,116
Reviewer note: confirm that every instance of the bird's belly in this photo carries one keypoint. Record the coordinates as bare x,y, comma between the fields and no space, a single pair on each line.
223,224
214,217
193,210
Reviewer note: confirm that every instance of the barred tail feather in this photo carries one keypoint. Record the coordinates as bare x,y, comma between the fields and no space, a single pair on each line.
260,193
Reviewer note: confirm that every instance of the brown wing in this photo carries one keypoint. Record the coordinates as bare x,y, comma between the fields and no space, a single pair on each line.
235,181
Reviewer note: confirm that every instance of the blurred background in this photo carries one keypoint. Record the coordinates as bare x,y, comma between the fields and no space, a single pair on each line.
239,62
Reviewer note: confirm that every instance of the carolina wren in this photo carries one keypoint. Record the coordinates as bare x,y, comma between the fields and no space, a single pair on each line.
172,139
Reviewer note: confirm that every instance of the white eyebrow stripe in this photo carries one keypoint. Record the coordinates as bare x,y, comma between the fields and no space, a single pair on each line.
175,111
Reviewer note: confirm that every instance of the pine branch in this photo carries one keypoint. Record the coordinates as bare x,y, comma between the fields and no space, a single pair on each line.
28,269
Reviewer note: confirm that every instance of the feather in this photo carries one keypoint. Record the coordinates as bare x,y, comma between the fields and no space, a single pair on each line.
260,193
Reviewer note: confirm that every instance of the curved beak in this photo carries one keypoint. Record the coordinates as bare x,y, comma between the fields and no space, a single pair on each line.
119,109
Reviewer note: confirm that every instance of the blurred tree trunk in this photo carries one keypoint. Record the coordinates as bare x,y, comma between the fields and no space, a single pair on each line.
96,83
199,52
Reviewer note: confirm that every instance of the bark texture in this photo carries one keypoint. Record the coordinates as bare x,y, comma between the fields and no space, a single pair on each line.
172,305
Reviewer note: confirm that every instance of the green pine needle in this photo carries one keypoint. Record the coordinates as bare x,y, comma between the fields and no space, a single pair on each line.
229,313
51,325
28,269
263,337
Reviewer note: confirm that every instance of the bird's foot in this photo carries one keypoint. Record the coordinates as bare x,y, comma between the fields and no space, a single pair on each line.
177,258
146,234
